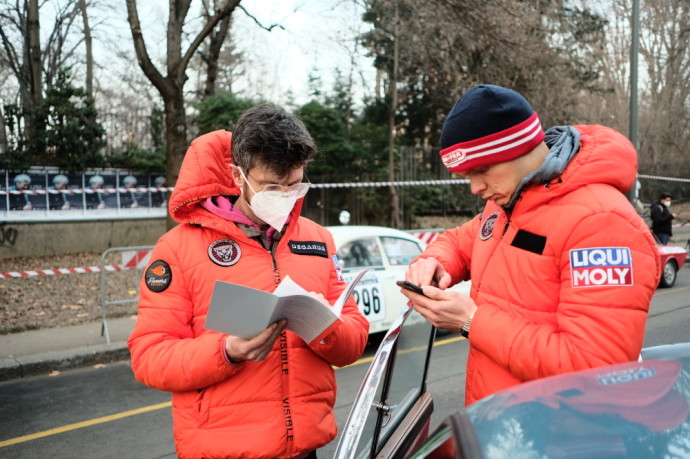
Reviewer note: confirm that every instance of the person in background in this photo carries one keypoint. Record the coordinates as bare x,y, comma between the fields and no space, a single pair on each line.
129,197
662,218
238,200
159,197
58,200
95,199
563,268
21,200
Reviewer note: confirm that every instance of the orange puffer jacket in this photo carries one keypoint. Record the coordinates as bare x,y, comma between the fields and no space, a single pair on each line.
562,283
279,407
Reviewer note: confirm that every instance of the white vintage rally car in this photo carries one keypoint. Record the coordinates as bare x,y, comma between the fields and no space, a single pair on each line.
386,252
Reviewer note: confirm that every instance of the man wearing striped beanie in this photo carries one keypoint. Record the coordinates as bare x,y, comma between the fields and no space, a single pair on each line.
562,266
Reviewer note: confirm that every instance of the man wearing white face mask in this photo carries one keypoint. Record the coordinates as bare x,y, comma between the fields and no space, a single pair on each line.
238,199
662,218
273,204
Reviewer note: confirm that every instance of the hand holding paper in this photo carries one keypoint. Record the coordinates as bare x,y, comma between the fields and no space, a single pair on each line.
255,349
246,312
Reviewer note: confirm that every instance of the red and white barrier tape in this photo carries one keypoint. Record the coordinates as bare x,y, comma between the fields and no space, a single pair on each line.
86,190
399,183
658,177
313,185
130,260
52,272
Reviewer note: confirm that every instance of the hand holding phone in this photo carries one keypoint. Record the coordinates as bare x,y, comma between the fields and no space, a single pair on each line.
410,286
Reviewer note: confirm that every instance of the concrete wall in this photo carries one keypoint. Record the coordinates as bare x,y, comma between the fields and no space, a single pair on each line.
26,239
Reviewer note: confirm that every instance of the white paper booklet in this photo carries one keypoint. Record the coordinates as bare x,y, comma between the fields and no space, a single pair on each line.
245,312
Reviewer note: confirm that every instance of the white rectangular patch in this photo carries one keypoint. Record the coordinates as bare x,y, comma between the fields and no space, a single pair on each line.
601,267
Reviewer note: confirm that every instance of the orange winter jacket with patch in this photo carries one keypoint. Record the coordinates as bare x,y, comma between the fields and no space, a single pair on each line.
279,407
564,281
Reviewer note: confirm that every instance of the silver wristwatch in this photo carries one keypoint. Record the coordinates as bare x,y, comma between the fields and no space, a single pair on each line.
465,330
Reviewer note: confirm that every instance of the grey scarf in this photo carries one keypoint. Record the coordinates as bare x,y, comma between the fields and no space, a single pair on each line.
563,142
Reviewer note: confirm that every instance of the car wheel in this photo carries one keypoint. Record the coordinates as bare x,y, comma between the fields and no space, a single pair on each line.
668,277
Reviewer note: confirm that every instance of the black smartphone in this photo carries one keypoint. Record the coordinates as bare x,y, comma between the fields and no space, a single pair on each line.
410,286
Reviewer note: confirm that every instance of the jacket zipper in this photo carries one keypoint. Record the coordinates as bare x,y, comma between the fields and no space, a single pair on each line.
284,365
276,271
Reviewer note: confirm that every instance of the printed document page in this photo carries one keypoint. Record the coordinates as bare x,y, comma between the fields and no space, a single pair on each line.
245,312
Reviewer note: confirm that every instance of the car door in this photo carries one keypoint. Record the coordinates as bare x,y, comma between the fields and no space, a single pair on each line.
392,411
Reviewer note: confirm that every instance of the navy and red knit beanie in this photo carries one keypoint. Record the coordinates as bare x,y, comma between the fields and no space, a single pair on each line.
488,125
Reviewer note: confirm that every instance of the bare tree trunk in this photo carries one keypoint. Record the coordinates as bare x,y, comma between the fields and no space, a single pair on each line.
3,133
32,99
176,138
395,211
171,86
89,53
214,48
34,35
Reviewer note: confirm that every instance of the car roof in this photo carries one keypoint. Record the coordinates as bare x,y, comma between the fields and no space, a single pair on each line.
355,231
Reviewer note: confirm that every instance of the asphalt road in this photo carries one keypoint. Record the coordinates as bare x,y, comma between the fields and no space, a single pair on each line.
103,412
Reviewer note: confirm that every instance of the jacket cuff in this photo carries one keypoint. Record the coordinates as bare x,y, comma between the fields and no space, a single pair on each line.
225,355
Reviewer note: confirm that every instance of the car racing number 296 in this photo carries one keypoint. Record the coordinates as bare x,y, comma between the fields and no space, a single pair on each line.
369,296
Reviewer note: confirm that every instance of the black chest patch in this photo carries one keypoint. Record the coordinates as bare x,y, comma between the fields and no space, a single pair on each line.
309,248
529,241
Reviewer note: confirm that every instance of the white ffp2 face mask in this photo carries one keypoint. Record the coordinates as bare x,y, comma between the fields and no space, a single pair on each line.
666,203
273,207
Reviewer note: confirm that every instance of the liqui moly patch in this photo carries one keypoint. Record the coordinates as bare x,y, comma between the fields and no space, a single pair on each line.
601,267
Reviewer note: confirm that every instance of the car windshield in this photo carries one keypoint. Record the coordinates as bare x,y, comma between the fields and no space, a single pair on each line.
363,252
400,251
634,410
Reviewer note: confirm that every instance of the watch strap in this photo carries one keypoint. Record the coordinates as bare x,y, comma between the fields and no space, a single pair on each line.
465,330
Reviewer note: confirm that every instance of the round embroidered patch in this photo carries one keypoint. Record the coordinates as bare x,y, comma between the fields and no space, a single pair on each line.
487,228
158,276
224,252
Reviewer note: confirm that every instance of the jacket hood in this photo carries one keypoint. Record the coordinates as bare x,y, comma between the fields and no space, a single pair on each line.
204,173
605,157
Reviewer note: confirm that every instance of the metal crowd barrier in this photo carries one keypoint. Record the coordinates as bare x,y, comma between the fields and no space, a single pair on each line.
130,270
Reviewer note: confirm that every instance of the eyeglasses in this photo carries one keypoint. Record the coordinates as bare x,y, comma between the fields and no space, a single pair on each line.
298,190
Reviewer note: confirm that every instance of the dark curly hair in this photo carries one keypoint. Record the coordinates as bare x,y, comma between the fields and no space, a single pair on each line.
270,136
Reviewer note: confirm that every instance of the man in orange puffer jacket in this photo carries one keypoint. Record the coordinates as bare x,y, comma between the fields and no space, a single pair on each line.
563,269
238,199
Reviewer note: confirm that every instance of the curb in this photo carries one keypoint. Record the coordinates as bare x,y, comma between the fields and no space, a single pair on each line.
44,363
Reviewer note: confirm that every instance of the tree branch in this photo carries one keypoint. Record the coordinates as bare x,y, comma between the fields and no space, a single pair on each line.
11,52
221,13
253,18
143,58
